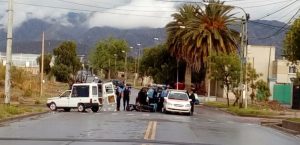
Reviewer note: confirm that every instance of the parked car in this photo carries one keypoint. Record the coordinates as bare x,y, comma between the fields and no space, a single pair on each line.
177,101
83,96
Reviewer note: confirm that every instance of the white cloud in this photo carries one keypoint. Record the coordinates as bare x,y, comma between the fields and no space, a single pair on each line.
123,13
146,13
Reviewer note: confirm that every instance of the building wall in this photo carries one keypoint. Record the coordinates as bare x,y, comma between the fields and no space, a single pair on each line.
25,61
284,71
262,57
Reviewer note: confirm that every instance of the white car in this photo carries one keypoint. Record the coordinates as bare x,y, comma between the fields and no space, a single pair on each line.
83,96
177,101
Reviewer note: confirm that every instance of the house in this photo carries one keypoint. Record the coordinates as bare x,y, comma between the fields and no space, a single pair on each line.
261,58
284,71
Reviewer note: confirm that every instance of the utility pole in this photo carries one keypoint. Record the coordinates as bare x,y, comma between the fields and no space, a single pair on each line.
246,49
115,66
109,68
8,52
138,61
177,75
125,66
42,64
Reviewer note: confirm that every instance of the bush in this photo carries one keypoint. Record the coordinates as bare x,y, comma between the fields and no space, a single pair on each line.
263,91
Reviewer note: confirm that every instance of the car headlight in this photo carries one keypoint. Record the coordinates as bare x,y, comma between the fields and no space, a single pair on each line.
169,104
188,105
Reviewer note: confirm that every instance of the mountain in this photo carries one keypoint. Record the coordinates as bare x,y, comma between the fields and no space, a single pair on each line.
27,37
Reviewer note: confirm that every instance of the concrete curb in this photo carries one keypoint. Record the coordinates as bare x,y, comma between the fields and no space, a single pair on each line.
276,126
22,116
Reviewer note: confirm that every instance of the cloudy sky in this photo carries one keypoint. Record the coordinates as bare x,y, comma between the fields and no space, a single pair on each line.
133,13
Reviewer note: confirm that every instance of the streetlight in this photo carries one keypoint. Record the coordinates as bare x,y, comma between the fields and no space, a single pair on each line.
138,63
115,65
125,66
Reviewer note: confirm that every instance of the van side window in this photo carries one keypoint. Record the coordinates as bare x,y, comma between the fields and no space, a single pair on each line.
109,89
80,91
94,90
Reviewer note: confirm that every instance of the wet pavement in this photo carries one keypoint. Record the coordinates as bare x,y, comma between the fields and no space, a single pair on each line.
207,126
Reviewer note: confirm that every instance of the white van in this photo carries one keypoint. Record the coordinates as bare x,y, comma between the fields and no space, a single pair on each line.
83,96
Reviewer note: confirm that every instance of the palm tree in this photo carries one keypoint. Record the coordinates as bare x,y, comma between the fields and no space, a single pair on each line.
211,32
205,32
176,30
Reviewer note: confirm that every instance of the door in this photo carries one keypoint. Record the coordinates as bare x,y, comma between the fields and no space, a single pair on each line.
80,94
296,97
63,100
109,93
94,94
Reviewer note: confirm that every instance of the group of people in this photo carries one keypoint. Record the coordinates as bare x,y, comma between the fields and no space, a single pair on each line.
123,91
147,97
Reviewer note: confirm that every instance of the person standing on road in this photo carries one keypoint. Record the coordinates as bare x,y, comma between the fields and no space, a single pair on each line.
120,93
142,97
192,97
126,97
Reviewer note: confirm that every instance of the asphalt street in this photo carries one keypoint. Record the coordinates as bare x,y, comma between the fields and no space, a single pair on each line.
108,127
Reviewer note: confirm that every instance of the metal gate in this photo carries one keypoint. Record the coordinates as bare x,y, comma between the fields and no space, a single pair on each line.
283,93
296,97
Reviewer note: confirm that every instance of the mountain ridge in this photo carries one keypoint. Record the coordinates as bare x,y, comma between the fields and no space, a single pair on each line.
27,37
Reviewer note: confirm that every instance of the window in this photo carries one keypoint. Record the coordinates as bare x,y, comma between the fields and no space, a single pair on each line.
94,90
292,69
66,94
109,89
80,91
178,96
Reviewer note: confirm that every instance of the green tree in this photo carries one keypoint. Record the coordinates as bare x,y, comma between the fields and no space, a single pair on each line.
176,30
251,78
226,68
292,42
200,31
263,91
160,65
47,61
106,52
66,63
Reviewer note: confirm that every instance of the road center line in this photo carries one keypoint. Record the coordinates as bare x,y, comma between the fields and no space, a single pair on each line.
151,131
147,133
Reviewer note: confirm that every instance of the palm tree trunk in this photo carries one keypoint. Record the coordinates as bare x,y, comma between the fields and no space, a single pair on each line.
188,77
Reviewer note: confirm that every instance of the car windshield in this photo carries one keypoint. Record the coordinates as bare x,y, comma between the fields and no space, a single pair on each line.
178,96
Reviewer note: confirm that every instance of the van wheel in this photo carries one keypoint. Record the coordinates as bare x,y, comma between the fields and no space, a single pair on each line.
95,109
53,106
67,109
81,108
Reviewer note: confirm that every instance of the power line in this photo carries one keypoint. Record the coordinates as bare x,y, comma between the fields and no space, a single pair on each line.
264,24
109,8
90,11
266,4
277,10
282,28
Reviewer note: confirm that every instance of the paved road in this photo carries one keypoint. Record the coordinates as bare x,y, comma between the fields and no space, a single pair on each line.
208,126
